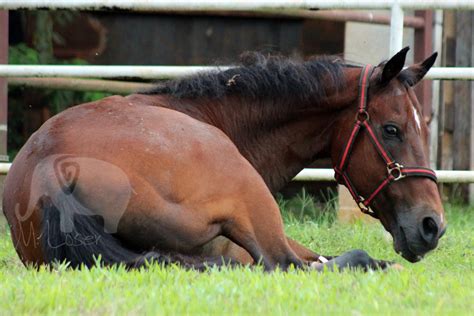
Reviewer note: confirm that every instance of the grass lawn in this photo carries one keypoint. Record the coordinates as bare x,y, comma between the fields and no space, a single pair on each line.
443,283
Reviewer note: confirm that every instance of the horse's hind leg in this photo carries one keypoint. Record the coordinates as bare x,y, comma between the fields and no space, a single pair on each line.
264,247
256,225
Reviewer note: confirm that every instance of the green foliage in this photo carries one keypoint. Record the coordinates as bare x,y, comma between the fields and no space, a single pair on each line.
441,284
55,100
58,100
304,207
23,100
22,54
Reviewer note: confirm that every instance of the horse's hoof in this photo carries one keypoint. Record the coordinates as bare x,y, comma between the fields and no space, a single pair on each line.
315,265
395,266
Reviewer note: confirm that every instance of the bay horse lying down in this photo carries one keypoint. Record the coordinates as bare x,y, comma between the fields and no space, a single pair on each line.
185,173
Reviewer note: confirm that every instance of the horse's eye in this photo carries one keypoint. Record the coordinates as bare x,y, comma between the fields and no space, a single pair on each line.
390,130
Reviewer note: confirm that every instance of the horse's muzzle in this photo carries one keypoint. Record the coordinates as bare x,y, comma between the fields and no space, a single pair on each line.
415,238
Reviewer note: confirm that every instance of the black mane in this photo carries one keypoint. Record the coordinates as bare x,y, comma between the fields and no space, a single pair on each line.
258,76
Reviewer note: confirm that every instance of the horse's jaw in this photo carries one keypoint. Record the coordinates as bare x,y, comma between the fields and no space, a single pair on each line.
409,239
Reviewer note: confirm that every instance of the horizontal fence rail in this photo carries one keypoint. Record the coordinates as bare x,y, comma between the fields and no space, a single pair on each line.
75,84
144,72
396,29
189,5
450,73
311,174
163,72
444,176
330,15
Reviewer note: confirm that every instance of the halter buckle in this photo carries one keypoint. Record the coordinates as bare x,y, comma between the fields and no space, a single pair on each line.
361,205
364,209
362,116
394,169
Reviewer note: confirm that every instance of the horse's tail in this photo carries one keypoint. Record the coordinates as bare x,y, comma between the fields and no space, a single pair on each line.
88,244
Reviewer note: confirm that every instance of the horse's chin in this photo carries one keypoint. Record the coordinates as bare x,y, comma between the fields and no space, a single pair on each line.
406,240
402,247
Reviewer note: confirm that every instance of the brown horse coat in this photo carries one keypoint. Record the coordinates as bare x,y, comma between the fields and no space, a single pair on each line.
172,178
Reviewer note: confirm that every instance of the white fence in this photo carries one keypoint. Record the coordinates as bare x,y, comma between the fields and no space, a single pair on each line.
310,174
396,7
187,5
444,176
162,72
157,72
145,72
396,26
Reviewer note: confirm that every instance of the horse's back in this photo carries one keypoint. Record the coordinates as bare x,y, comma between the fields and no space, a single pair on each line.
159,144
132,137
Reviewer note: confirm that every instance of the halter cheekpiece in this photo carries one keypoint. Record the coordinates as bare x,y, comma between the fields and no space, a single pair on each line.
395,170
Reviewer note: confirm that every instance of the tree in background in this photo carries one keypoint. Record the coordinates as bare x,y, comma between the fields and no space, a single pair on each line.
30,107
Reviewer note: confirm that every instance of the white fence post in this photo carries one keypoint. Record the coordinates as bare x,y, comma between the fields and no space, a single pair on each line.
396,29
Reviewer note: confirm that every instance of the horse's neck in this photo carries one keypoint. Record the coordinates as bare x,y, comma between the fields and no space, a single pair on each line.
279,154
280,149
279,140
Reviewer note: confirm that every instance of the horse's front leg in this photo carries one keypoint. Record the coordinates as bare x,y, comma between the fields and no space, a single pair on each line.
222,246
307,254
353,259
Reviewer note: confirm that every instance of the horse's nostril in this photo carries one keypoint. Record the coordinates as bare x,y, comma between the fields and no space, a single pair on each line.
429,230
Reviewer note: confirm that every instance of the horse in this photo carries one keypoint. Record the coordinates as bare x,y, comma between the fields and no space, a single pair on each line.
186,173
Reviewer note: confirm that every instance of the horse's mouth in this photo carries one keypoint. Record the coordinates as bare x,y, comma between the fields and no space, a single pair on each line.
403,248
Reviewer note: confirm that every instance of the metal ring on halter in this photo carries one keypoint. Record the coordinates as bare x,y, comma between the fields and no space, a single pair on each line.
361,204
362,116
395,170
365,209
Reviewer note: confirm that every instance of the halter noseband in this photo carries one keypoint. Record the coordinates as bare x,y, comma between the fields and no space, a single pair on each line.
395,170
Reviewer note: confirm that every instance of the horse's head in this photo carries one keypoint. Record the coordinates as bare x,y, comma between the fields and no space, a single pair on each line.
383,156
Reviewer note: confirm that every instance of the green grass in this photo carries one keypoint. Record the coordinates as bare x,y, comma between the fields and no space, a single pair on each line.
443,283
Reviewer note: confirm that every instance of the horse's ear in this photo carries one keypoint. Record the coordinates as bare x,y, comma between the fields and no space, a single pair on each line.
413,74
393,67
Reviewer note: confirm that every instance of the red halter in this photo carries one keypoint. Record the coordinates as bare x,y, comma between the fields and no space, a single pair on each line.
395,170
